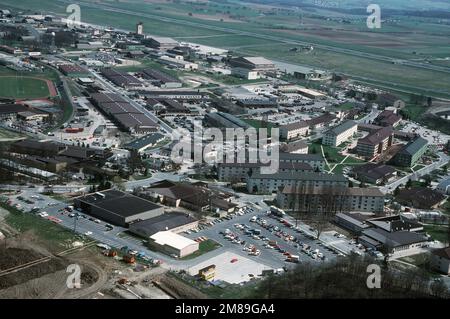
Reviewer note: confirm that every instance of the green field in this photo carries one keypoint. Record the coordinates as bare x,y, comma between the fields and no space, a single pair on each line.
22,87
204,247
54,235
6,135
437,232
221,24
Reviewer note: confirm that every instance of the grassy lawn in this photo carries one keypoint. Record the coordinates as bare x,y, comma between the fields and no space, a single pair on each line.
8,135
413,111
146,63
438,232
232,80
331,153
22,87
204,247
417,167
417,260
56,235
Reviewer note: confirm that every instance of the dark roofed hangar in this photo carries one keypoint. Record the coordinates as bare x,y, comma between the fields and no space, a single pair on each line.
117,207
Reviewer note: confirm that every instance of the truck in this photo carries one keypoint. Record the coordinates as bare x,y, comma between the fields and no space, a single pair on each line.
277,211
129,259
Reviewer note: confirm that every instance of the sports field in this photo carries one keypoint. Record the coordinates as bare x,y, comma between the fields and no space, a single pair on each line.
19,87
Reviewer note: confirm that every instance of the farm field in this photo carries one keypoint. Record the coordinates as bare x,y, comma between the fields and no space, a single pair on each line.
416,39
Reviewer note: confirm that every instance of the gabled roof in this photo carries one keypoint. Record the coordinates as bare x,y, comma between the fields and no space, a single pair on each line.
341,128
414,146
377,136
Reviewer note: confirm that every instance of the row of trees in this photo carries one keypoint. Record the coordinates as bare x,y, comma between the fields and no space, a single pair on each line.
348,278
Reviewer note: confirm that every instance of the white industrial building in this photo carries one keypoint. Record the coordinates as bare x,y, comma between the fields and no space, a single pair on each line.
173,244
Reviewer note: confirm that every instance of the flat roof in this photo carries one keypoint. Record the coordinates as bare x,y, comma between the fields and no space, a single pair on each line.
119,203
144,141
394,239
171,239
162,222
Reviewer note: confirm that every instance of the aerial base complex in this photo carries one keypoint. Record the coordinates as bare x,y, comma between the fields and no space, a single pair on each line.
136,142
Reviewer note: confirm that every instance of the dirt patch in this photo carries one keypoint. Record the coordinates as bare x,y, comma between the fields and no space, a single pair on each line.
10,258
176,288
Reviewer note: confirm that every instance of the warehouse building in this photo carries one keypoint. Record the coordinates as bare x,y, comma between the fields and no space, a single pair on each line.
161,79
173,244
73,71
174,222
161,43
11,110
258,64
123,113
399,243
122,79
224,120
117,207
141,144
340,133
411,153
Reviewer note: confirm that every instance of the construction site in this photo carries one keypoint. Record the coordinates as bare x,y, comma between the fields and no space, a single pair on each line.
33,268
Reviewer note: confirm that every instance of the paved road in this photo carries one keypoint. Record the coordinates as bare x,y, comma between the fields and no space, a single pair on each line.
443,160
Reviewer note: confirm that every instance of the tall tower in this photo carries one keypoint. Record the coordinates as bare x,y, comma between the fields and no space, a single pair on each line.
140,28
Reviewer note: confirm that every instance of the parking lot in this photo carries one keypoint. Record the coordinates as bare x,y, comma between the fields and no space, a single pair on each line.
231,267
274,241
251,233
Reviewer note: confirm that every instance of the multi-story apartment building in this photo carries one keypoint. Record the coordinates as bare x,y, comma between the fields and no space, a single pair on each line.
238,172
411,153
294,130
331,198
269,183
316,161
340,133
375,143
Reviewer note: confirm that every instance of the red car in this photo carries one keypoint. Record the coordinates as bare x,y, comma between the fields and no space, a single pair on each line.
234,260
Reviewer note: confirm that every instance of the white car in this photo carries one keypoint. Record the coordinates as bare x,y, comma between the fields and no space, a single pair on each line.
43,214
88,233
